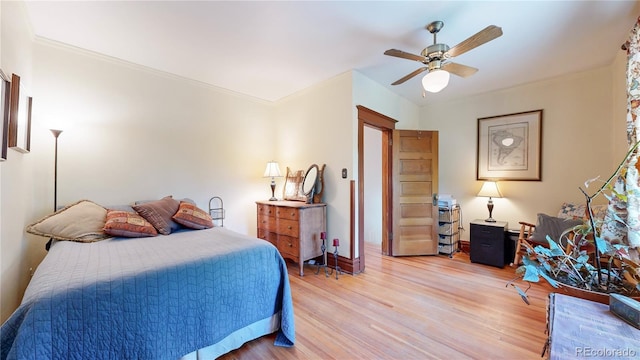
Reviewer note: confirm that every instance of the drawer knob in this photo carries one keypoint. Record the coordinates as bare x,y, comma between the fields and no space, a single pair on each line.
293,213
290,227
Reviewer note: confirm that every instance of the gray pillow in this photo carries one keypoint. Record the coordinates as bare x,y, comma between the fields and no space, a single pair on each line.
552,226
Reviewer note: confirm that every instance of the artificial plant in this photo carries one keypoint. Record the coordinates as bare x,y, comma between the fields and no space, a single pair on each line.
580,262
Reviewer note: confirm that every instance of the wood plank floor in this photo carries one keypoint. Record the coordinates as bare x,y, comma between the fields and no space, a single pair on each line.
428,307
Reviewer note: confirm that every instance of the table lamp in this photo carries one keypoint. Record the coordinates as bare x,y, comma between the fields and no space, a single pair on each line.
272,171
490,189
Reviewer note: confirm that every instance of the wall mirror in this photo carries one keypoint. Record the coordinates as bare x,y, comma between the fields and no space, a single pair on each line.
319,189
309,183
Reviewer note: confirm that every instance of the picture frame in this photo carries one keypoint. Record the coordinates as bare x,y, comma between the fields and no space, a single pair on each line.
5,92
293,186
509,147
19,117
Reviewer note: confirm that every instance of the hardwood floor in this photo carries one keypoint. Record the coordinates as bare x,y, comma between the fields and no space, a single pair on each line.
428,307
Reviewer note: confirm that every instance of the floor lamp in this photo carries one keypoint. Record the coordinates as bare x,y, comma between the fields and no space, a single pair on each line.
55,133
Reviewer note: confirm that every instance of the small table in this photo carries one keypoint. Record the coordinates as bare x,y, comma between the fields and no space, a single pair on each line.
487,245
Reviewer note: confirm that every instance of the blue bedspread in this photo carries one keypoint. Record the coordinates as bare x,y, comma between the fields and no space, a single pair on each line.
148,298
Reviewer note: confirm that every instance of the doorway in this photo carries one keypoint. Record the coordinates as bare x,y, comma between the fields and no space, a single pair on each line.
384,125
373,186
409,215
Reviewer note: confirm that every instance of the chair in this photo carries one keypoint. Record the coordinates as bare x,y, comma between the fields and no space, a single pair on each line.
526,230
533,235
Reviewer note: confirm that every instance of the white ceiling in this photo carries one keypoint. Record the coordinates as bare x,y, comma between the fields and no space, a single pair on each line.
271,49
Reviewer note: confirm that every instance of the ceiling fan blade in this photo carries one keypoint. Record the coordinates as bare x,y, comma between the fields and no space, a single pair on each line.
459,69
400,81
483,36
405,55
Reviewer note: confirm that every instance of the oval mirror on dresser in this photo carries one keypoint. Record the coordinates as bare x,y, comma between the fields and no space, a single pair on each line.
309,183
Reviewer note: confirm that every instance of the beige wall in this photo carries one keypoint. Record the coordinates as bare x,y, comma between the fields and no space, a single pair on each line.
581,134
131,133
16,173
315,127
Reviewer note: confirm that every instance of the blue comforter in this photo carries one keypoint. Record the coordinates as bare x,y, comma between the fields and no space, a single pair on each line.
148,298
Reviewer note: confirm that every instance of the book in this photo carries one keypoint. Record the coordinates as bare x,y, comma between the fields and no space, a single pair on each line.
625,308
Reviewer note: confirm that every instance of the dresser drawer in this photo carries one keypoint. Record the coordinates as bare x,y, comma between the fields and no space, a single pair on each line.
266,223
486,232
288,245
288,227
269,236
266,210
287,213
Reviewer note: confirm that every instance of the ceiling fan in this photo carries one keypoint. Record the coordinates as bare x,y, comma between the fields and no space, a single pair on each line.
437,57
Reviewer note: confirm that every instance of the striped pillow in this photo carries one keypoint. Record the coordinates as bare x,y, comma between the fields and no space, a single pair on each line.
159,214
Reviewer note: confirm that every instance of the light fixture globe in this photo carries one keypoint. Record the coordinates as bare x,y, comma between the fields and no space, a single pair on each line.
435,80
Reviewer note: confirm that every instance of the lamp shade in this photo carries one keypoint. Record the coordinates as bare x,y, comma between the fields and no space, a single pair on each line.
490,189
435,80
272,170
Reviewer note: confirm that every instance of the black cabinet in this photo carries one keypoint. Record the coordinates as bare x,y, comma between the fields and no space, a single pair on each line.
487,242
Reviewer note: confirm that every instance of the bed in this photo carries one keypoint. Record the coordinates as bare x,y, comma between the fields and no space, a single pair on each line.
193,294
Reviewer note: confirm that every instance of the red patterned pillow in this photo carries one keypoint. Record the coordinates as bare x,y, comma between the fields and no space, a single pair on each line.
128,224
192,217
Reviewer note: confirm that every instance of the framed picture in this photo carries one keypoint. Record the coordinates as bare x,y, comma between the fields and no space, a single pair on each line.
510,147
293,186
19,117
5,90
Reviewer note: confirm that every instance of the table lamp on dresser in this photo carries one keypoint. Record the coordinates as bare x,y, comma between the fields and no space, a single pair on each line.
272,171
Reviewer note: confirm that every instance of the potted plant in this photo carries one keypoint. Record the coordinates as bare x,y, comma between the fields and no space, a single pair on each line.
582,262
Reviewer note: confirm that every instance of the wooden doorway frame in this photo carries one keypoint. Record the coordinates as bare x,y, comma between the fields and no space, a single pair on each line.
368,117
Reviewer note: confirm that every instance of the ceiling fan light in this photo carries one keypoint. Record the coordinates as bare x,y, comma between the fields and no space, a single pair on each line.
435,80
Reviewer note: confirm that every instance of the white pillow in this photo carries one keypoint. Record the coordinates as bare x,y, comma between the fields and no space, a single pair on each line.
82,221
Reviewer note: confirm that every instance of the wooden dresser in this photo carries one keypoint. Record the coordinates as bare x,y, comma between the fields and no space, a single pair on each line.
294,227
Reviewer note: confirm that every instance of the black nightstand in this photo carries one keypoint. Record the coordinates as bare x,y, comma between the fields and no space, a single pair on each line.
487,242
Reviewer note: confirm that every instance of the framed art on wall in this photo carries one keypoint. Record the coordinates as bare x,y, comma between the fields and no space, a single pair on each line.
510,147
19,117
5,89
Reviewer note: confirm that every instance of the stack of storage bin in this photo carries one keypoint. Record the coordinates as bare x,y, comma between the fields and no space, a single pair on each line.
448,229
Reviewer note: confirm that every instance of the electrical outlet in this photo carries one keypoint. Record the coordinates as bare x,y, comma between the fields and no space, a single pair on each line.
344,173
